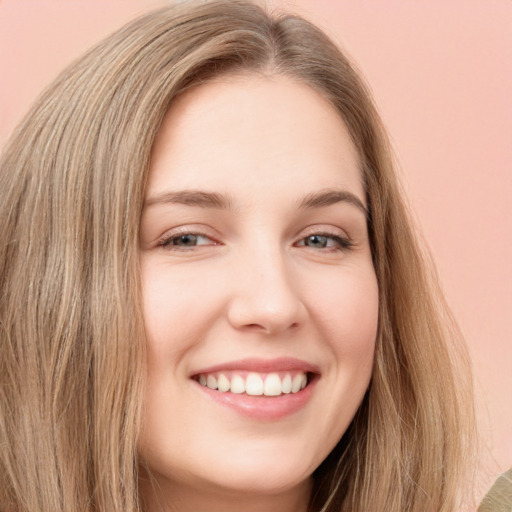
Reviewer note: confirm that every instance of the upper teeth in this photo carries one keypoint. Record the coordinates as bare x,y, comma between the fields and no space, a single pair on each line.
271,384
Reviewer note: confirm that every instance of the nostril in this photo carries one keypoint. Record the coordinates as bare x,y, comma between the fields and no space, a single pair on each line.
266,312
255,328
266,329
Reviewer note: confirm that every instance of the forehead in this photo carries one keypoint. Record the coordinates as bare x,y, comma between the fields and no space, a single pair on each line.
253,131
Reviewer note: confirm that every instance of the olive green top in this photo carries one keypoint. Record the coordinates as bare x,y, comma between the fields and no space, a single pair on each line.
499,498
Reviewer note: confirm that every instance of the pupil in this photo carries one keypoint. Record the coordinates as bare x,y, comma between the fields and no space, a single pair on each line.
186,240
318,240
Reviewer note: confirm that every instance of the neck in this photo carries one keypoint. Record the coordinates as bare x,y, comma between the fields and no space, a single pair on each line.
160,497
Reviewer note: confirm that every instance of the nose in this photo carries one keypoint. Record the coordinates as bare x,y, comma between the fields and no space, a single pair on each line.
266,296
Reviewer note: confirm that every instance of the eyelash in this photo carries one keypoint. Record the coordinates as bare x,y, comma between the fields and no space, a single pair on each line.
168,240
341,243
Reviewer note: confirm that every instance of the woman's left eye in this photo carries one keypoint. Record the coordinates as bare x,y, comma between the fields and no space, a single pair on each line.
325,241
186,240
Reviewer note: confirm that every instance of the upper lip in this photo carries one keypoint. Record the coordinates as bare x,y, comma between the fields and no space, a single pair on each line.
261,366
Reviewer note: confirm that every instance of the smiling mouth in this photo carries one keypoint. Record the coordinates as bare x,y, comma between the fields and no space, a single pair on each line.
254,383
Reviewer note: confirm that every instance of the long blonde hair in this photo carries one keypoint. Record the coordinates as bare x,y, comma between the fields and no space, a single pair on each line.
72,181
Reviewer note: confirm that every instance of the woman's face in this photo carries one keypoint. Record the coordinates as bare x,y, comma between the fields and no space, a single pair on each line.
257,278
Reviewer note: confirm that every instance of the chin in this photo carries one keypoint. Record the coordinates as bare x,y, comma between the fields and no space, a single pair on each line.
244,474
260,479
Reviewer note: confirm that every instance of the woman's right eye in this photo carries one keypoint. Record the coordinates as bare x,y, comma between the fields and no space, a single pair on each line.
185,240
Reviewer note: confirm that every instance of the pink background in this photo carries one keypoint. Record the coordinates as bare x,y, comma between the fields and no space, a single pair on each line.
441,72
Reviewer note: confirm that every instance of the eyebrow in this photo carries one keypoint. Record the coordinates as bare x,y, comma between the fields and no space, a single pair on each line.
215,200
329,197
193,198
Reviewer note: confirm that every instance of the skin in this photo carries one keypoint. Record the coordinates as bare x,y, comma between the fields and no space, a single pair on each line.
255,285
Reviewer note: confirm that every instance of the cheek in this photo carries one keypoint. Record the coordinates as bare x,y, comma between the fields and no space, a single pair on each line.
177,310
348,315
347,309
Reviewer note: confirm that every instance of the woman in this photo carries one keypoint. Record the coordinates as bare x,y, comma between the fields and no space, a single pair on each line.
213,298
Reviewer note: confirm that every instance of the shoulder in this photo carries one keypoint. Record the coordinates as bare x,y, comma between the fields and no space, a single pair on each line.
499,497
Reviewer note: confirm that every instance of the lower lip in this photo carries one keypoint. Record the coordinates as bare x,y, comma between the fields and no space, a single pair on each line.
262,408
